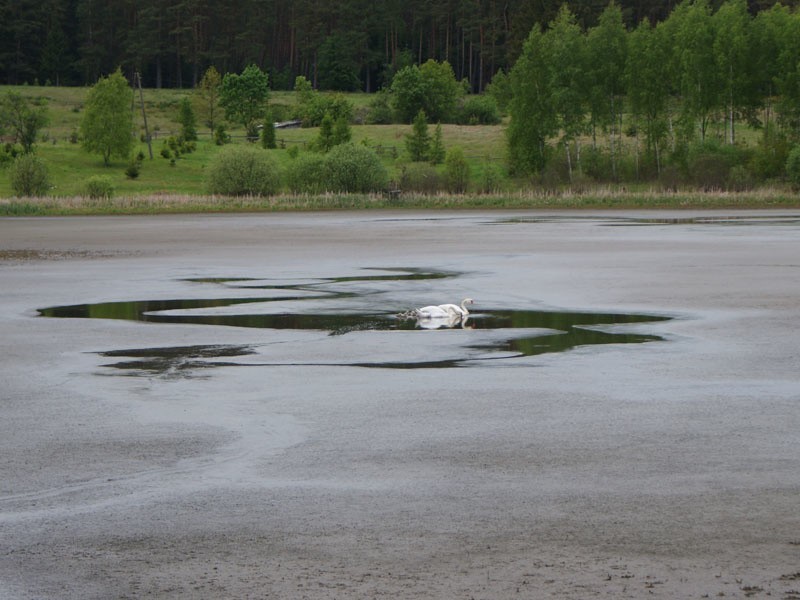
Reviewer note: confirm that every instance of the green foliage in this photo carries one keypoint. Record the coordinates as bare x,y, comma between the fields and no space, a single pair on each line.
187,120
421,178
457,170
479,110
341,131
380,110
491,180
647,86
244,98
354,168
313,106
23,119
29,176
305,174
565,53
710,163
324,141
243,171
500,89
793,167
99,187
436,152
532,110
769,157
338,62
268,140
431,87
134,167
107,124
221,136
418,142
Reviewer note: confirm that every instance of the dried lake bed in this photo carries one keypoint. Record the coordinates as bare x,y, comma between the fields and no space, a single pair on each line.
230,409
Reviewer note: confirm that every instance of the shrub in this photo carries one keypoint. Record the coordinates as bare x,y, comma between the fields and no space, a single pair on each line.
457,170
769,157
304,175
99,186
793,167
740,179
491,179
596,163
479,110
243,171
29,176
133,169
221,137
380,110
709,164
421,178
354,168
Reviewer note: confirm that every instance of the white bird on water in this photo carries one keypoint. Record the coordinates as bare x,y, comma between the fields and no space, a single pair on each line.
440,311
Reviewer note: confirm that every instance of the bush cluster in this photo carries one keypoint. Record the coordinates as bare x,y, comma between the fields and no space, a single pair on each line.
243,171
346,168
99,187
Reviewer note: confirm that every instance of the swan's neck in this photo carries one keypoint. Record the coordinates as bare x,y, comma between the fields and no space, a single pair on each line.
464,307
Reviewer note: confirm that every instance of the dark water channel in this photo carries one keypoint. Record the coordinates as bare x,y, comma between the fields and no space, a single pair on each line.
508,333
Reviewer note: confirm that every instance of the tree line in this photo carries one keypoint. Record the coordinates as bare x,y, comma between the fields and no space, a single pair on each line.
683,85
345,45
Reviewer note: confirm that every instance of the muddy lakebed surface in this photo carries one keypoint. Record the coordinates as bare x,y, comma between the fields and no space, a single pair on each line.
235,406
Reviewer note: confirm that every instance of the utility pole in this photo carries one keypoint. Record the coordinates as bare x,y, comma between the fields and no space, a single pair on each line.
137,80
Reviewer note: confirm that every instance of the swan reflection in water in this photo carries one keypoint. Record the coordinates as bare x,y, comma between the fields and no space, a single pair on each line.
441,316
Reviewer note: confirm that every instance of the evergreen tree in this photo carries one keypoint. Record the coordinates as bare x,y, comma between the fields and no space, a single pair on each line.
324,141
418,142
341,131
268,132
437,152
107,124
187,120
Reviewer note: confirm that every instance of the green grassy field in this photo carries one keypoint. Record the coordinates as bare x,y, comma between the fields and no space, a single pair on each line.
181,187
70,166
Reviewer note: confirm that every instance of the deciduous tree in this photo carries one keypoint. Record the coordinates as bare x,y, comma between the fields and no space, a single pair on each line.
244,98
22,119
107,124
532,111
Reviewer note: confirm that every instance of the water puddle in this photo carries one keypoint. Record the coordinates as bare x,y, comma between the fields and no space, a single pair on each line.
485,335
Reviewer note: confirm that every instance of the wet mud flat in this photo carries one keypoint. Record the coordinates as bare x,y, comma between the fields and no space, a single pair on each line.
228,406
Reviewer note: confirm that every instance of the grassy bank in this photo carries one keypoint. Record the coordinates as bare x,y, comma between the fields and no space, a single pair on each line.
598,199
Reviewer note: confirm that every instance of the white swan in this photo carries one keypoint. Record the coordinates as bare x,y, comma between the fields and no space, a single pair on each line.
458,310
440,311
